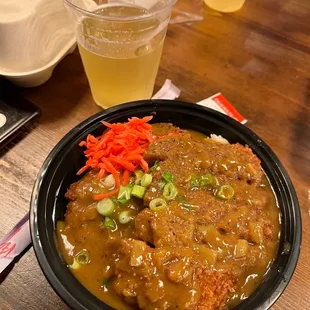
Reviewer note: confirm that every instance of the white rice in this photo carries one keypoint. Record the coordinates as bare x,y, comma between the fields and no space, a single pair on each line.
218,139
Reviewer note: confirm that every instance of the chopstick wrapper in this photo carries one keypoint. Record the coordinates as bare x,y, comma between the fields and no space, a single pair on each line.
12,244
219,103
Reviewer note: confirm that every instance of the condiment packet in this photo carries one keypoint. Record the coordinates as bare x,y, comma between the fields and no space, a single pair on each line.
12,244
168,91
219,103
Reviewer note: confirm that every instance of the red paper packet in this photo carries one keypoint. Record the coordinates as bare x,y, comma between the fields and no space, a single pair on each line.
219,103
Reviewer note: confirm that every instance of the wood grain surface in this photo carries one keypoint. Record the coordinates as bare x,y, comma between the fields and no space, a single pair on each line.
259,58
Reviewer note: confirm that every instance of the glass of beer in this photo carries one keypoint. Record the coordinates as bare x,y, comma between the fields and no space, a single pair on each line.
225,6
120,43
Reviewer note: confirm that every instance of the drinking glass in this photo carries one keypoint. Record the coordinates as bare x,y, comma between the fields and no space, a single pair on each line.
225,6
120,43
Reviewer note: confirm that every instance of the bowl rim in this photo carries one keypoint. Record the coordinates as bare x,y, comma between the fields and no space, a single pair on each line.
96,118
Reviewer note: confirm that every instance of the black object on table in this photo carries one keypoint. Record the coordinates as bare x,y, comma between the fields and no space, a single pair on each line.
15,111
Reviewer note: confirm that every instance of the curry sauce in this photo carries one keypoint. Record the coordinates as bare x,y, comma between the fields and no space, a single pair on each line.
202,235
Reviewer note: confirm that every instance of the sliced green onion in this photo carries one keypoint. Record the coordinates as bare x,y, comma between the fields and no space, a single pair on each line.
138,191
82,257
109,223
161,185
155,166
184,204
170,191
158,204
124,193
105,281
109,181
194,181
139,174
75,265
225,192
146,180
122,201
105,206
168,177
124,217
206,179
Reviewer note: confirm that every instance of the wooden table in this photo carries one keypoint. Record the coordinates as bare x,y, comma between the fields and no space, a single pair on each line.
259,58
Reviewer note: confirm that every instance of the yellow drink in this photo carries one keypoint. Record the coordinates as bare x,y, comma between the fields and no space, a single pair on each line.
226,6
121,59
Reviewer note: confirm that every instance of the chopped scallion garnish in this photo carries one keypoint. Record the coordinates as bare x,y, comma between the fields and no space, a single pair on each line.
75,265
109,223
184,204
158,204
82,257
105,207
122,201
225,192
206,179
194,181
161,185
109,181
105,281
155,166
168,177
124,217
170,191
146,180
138,191
124,192
139,174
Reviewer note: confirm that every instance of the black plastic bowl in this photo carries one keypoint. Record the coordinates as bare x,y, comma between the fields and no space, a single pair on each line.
59,171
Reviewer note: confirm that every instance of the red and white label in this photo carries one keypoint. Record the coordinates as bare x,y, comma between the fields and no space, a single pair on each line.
12,244
219,103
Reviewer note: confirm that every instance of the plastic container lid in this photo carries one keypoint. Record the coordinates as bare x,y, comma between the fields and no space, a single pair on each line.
34,36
